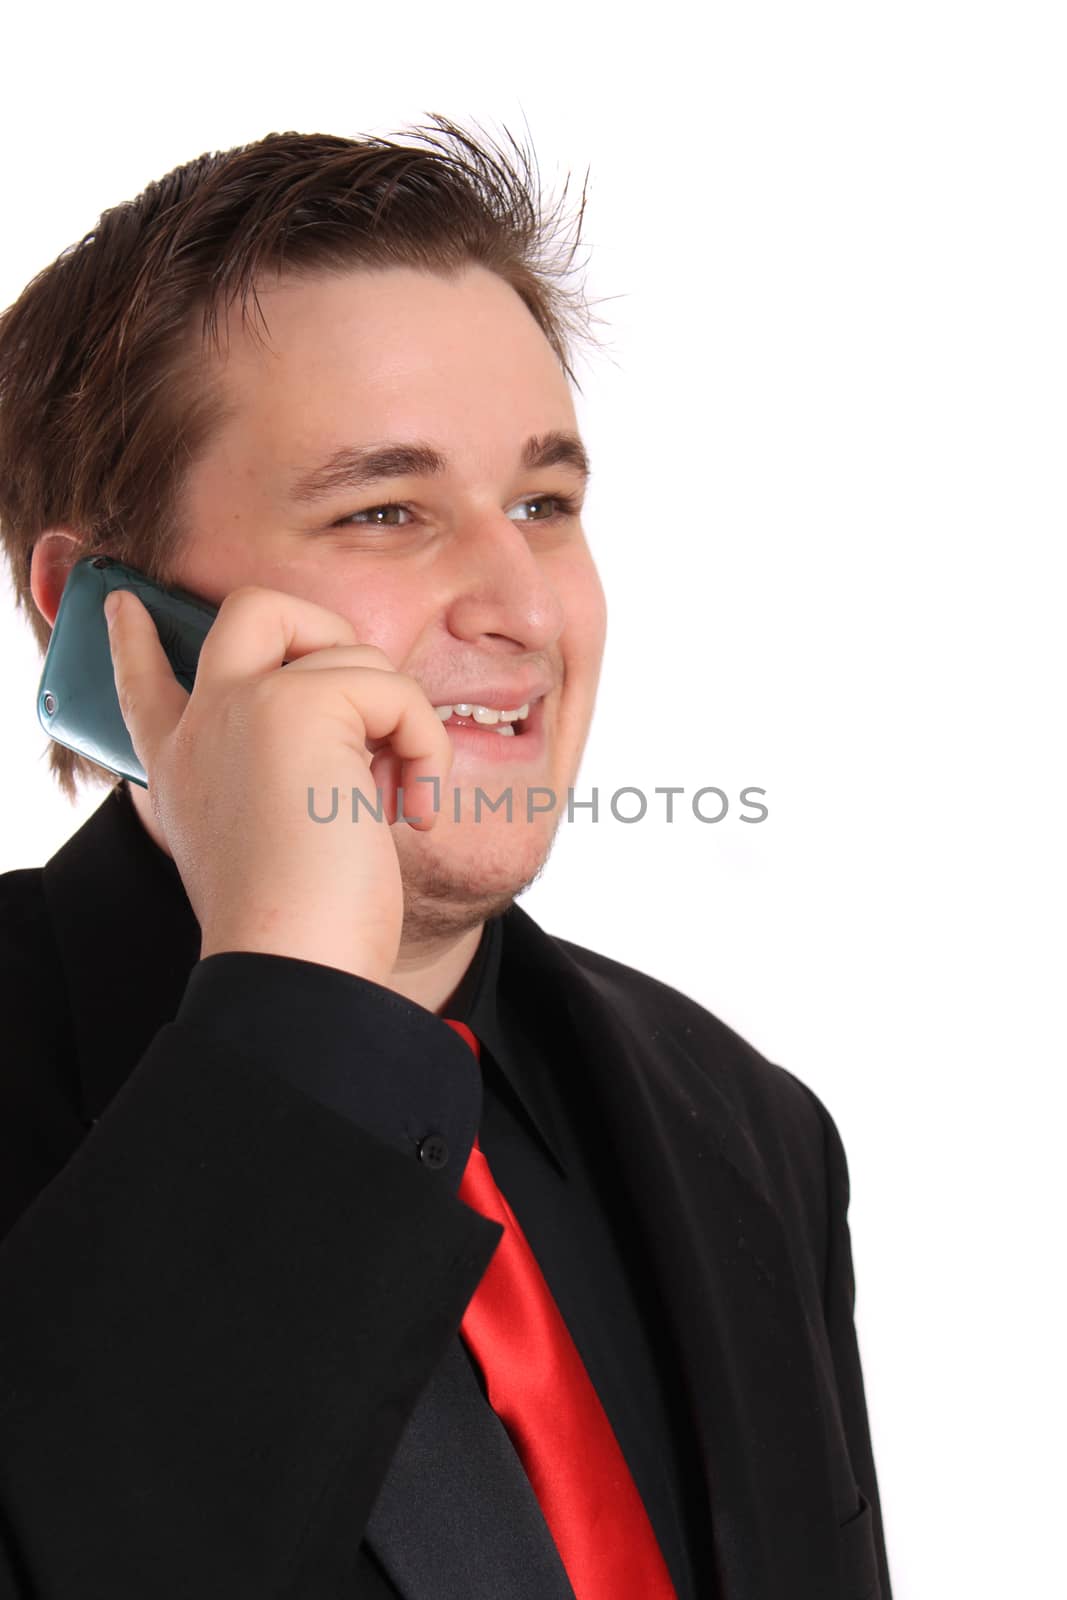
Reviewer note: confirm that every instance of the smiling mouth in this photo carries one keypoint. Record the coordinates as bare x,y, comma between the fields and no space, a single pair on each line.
507,724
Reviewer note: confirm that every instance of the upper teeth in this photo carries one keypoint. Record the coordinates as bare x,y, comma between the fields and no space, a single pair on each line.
486,714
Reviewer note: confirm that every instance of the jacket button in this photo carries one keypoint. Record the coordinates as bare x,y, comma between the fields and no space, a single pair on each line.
433,1151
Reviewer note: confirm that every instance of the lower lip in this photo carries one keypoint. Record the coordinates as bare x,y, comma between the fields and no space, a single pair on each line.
475,739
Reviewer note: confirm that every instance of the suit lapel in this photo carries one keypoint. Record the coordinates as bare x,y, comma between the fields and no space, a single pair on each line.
457,1517
698,1199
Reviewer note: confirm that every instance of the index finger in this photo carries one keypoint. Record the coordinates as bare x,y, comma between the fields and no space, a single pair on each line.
258,629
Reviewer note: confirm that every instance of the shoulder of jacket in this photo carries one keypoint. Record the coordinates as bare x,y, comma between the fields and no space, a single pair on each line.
33,992
40,1121
757,1088
783,1123
25,926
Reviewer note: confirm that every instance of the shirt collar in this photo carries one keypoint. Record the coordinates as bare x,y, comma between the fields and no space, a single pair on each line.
523,1061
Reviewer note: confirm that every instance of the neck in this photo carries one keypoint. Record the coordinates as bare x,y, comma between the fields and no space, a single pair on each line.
430,973
427,972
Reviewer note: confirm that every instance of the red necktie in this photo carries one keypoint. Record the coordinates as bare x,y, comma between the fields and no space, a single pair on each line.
539,1388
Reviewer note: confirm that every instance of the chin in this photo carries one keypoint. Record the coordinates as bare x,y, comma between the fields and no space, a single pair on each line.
457,875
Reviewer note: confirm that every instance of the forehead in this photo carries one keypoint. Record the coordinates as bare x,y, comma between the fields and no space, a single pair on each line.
391,348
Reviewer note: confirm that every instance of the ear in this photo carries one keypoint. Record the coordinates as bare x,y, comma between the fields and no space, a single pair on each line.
54,553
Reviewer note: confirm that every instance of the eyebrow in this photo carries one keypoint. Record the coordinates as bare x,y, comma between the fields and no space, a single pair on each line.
358,466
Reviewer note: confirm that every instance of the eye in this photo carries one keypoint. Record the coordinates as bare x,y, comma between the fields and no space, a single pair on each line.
563,505
374,516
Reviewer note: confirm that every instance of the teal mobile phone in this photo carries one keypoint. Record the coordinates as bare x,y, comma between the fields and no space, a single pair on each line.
77,703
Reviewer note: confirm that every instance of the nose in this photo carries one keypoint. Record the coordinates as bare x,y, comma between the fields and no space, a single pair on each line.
500,587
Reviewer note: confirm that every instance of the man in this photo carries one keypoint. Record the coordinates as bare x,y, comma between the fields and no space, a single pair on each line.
362,1238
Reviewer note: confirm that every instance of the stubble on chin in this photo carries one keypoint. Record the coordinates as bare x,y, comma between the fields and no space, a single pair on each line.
444,899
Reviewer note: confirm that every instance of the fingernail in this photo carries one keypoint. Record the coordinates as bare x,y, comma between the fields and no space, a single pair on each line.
111,605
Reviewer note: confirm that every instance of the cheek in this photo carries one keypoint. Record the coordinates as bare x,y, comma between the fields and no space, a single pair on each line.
385,614
381,610
585,608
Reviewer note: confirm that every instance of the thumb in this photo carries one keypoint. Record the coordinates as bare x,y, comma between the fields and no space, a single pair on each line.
151,699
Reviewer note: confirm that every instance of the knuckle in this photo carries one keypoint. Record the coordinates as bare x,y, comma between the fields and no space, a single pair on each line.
126,693
371,656
243,597
411,687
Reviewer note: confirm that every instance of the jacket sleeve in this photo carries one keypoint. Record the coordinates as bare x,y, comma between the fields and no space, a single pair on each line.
840,1302
216,1320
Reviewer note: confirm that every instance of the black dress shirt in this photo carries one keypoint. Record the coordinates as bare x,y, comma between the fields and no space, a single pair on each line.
541,1138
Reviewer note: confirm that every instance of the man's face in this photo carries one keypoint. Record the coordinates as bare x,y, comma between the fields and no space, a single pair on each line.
481,581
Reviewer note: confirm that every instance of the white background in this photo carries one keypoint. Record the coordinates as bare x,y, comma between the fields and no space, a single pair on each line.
828,507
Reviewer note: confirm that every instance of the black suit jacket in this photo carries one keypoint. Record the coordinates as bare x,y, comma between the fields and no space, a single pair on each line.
229,1360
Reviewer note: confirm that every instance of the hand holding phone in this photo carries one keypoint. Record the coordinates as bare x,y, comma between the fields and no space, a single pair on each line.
285,700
